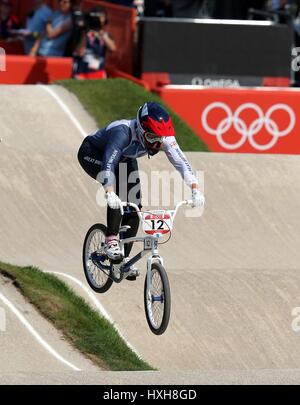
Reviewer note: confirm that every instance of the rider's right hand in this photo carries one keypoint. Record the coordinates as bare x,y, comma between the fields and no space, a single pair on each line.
113,200
197,198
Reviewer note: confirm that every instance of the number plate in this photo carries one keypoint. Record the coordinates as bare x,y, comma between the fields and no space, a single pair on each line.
157,224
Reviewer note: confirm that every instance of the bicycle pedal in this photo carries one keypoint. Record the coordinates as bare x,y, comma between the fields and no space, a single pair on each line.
131,278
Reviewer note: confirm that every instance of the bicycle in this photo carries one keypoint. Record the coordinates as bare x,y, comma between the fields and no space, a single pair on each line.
101,273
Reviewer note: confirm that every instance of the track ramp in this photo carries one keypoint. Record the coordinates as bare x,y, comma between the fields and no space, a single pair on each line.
234,272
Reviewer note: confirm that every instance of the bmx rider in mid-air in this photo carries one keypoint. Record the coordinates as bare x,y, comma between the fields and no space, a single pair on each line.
124,141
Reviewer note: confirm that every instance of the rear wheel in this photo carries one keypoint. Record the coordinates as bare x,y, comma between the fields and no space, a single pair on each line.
157,299
93,256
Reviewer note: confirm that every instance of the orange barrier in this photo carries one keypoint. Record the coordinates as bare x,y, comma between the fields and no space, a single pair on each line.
156,80
98,75
258,120
276,82
31,70
115,73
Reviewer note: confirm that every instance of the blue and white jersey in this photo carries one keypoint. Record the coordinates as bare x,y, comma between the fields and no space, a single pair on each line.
120,141
56,46
36,23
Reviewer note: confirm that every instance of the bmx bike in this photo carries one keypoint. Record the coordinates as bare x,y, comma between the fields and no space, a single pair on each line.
101,272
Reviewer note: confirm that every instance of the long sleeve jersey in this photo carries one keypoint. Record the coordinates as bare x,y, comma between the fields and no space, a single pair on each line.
119,142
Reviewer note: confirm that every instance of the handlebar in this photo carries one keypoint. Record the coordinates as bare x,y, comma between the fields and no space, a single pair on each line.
139,212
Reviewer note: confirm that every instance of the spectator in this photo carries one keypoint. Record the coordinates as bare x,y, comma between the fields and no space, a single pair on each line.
36,23
8,21
89,58
58,31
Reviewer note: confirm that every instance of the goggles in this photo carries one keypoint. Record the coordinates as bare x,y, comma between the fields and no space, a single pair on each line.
152,138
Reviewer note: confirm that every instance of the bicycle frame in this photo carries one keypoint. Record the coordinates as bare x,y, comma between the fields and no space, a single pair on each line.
150,243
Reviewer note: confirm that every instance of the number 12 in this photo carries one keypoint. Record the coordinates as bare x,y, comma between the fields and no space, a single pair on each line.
161,226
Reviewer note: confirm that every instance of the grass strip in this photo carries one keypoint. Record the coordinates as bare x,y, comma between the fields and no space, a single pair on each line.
114,99
82,326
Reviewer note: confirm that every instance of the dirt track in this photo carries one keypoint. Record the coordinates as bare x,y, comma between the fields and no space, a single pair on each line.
234,273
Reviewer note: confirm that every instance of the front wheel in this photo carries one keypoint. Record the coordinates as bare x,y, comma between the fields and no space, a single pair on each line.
95,263
157,299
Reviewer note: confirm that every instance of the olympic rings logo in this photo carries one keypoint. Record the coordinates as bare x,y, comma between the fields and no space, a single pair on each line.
247,132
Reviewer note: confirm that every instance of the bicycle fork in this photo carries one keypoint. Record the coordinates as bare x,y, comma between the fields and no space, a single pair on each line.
154,257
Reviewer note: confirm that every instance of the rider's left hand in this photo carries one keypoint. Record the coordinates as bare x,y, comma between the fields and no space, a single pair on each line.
198,198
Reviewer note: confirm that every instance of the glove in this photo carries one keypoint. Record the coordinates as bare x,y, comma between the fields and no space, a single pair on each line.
113,200
198,198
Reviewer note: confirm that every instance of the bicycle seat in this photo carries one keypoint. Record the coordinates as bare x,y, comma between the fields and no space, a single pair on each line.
124,228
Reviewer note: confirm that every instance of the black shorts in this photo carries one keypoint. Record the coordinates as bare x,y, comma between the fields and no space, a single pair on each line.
127,185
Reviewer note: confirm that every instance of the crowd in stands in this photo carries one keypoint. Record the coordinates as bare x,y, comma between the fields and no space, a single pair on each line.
65,31
50,32
68,31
